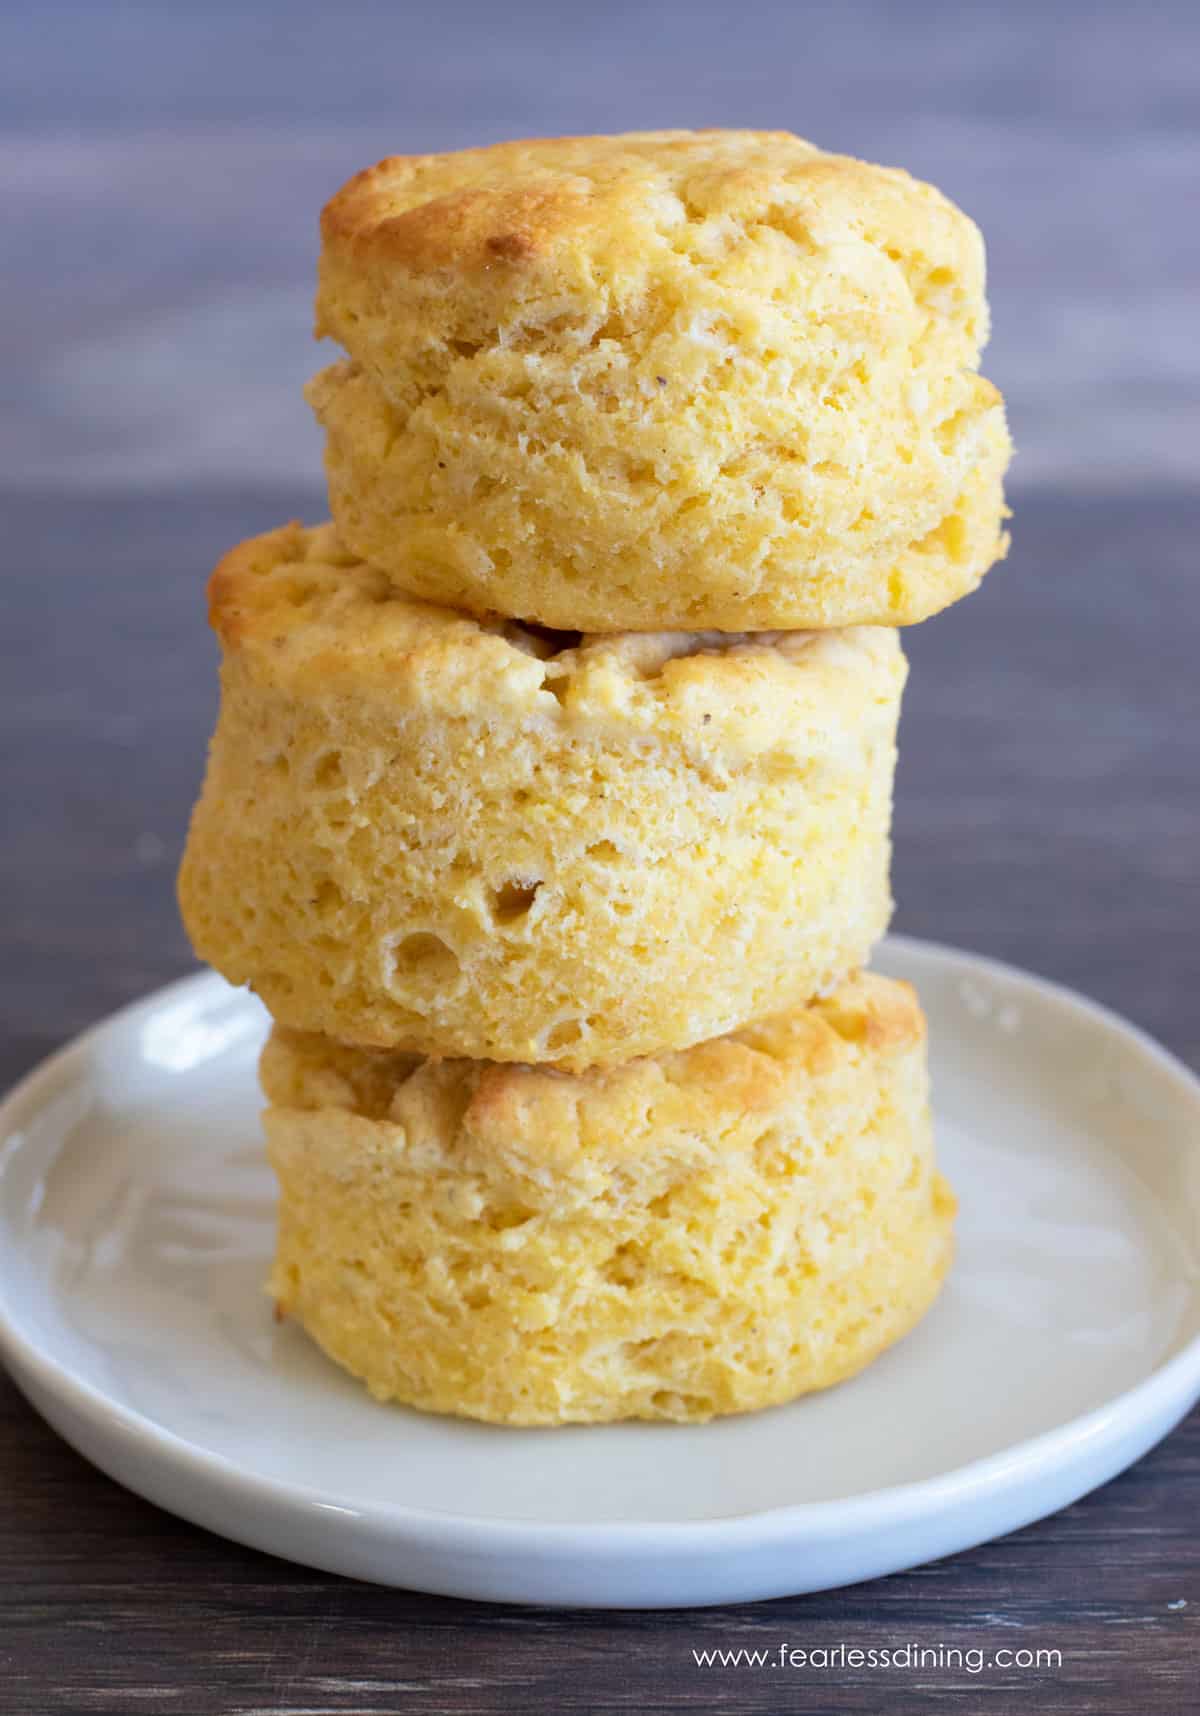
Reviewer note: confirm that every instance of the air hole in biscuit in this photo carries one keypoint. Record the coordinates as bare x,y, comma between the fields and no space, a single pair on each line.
674,1405
511,901
464,348
426,956
543,642
558,688
326,900
611,328
950,538
625,1266
328,772
604,852
950,430
516,1215
565,1035
634,1350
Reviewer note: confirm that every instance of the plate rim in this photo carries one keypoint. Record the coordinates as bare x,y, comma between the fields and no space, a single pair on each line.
1155,1397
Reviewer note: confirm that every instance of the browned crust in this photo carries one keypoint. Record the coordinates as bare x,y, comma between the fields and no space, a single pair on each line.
559,1114
232,611
297,609
514,203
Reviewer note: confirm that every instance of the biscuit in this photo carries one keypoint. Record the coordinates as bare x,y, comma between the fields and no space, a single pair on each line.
457,837
707,379
710,1231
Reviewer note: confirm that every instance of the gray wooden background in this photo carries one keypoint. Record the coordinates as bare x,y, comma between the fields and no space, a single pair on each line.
162,166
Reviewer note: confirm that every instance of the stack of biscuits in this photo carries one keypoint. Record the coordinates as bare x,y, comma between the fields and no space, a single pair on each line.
548,810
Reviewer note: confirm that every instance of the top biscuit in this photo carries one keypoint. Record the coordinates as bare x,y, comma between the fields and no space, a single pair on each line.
711,379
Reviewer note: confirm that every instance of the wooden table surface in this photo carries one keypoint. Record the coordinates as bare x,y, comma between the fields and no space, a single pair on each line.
166,164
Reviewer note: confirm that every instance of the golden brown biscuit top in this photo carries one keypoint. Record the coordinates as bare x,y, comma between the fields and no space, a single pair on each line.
585,205
296,611
557,1118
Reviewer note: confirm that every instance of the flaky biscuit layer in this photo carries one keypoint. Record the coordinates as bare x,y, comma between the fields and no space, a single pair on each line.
706,379
703,1232
421,831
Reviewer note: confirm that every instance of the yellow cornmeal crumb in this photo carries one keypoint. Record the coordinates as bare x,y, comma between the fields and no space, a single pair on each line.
704,1232
707,379
427,832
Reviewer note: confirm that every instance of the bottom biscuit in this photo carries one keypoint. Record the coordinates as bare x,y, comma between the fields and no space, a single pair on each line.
703,1232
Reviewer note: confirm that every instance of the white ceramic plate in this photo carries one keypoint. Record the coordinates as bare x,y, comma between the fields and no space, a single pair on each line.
135,1229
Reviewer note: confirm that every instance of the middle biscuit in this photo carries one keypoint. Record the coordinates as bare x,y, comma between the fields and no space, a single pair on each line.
458,837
